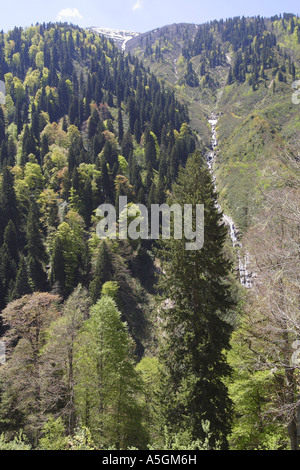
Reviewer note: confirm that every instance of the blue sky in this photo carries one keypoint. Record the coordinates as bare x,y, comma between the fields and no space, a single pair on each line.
135,15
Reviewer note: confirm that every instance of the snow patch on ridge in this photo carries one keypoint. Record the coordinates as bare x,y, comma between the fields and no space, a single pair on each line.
119,36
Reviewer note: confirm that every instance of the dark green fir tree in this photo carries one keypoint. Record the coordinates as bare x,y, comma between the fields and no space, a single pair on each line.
197,326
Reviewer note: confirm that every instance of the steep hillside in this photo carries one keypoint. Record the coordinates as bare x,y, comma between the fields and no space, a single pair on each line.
81,125
145,340
161,50
243,70
81,322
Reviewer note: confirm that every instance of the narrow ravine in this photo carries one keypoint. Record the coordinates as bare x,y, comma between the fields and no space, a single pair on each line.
243,260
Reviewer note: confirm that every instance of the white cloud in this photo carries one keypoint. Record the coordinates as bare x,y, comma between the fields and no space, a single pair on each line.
137,5
68,14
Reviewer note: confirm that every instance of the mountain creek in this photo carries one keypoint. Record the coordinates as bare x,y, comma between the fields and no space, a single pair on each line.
243,258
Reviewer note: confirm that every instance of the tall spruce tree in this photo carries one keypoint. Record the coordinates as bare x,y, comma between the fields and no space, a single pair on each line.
2,125
8,201
197,329
11,240
21,285
35,248
87,201
103,272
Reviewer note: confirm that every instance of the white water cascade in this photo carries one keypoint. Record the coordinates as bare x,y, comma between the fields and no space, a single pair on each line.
243,260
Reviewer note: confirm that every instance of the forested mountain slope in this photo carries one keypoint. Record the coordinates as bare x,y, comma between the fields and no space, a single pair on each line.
78,127
243,70
81,125
130,343
246,72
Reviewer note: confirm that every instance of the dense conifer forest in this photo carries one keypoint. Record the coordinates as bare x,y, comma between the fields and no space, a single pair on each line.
140,344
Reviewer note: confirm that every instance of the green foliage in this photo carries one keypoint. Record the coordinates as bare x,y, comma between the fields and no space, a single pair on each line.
82,125
35,248
58,357
183,441
69,254
21,376
82,440
123,165
197,317
107,381
103,271
110,289
54,437
21,286
149,369
19,443
251,391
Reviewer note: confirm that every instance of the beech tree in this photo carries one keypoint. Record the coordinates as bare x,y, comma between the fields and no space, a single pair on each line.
58,358
70,257
271,324
27,320
107,382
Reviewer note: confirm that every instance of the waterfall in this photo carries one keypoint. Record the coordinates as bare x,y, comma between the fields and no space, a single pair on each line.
243,260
